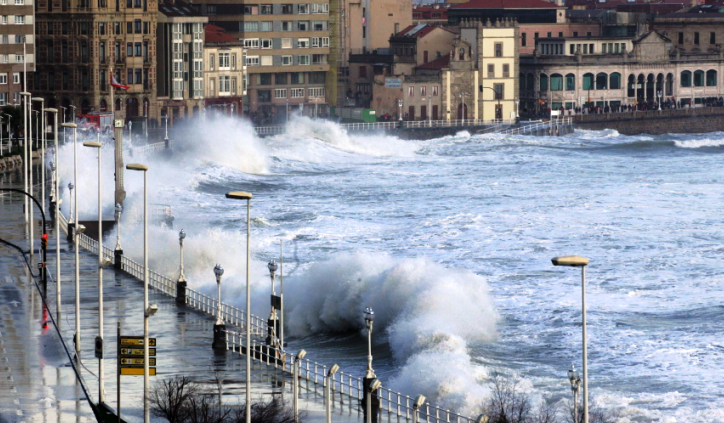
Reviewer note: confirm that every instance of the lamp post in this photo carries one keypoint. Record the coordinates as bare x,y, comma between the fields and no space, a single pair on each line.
147,311
370,376
181,237
10,137
165,118
64,109
25,165
287,110
582,262
56,189
219,342
399,106
273,321
76,231
241,195
41,123
70,199
118,253
658,93
101,264
281,295
295,385
575,380
73,107
328,392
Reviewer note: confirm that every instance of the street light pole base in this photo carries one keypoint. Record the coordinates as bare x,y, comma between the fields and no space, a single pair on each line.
181,296
71,228
366,382
219,337
118,259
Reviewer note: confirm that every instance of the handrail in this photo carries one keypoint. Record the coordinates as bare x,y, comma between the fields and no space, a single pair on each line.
407,124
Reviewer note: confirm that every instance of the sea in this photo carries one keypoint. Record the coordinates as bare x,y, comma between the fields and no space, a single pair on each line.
450,242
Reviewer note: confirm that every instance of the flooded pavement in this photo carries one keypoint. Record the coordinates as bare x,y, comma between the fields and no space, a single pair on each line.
38,382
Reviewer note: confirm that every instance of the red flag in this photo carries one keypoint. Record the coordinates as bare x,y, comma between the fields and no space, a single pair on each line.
115,83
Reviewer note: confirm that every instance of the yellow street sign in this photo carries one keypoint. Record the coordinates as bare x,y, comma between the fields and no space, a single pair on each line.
137,340
138,351
137,361
137,371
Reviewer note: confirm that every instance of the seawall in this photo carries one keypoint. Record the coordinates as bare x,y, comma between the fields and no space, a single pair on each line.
655,122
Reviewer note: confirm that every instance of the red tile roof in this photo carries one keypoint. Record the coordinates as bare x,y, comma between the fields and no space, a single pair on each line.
506,4
439,63
214,34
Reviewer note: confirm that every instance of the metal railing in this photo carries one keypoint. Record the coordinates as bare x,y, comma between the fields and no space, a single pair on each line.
148,149
393,405
406,124
527,128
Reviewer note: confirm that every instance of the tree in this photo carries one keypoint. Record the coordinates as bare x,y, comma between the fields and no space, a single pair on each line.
171,398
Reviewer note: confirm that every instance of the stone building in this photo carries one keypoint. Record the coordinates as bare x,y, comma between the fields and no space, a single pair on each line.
481,82
18,22
651,71
225,72
699,29
80,42
180,60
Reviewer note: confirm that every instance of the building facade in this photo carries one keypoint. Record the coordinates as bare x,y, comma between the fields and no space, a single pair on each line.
17,49
81,42
651,73
180,50
225,72
288,53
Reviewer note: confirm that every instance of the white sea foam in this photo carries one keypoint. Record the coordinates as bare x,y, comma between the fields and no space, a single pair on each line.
700,143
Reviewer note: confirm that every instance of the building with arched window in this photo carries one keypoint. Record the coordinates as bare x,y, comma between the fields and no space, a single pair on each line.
643,70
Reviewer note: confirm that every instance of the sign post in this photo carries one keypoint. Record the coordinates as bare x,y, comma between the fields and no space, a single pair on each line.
131,361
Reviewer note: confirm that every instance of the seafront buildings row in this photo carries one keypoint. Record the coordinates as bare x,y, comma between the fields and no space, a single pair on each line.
482,59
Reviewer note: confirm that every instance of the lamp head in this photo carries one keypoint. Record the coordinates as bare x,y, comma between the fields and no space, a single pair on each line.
51,110
301,354
40,99
239,195
369,315
151,310
572,261
71,186
182,235
333,370
105,263
68,125
272,266
218,271
94,144
137,166
419,401
119,208
80,229
375,385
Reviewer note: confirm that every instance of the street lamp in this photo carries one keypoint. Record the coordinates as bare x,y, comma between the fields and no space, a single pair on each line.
27,156
146,310
70,199
575,380
582,262
273,322
241,195
219,327
370,376
76,232
101,262
658,93
328,392
295,385
165,118
56,189
287,110
119,250
419,401
41,123
181,237
399,105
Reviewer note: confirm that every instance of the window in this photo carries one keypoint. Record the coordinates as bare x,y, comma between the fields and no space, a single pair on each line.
266,43
251,61
590,48
499,91
102,28
4,20
212,63
146,28
210,9
139,49
298,78
280,93
252,26
681,38
267,60
19,58
19,20
286,43
3,78
615,81
685,78
321,8
556,82
3,99
423,91
410,91
699,78
280,79
129,49
535,36
491,71
543,82
302,25
575,33
287,26
297,92
19,39
130,77
696,38
523,39
286,60
711,78
560,35
303,59
587,82
266,26
572,48
506,70
224,63
363,71
287,9
224,85
319,25
116,30
498,49
265,9
5,39
585,49
233,61
319,59
302,8
550,35
251,43
316,92
302,42
601,81
212,87
102,77
570,82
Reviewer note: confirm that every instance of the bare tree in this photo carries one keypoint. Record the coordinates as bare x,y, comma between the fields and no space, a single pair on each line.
170,398
507,404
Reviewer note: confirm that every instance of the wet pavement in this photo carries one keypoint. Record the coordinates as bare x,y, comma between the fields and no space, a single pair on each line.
37,381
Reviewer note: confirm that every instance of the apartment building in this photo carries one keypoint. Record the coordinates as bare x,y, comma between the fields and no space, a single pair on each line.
225,72
17,48
287,53
180,48
81,42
